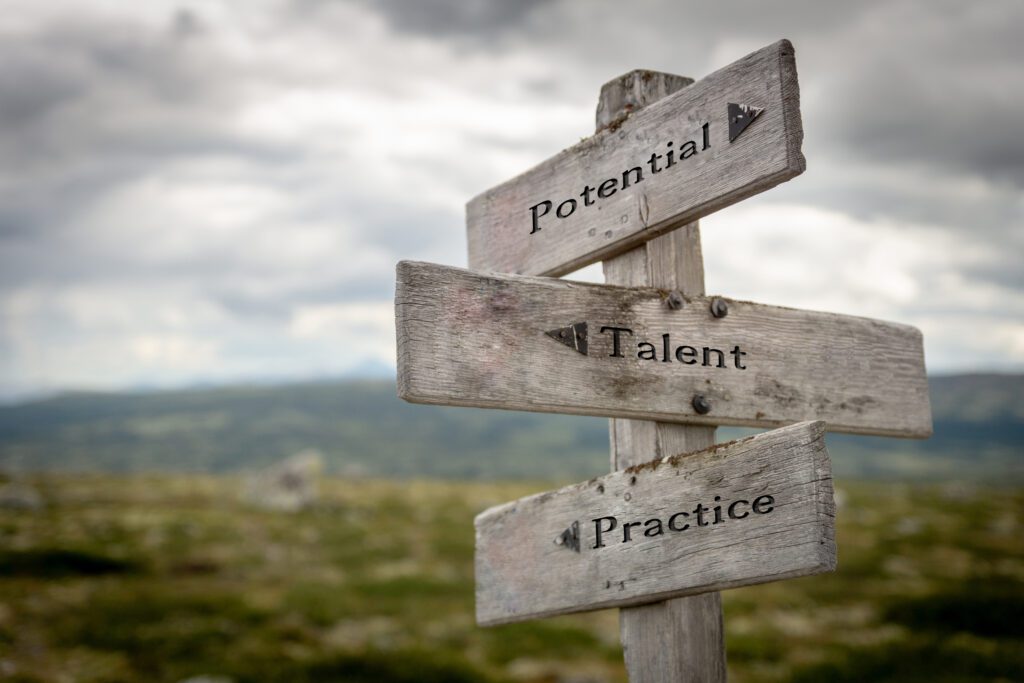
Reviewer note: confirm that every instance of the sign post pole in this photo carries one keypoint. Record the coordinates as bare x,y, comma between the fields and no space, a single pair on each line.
681,639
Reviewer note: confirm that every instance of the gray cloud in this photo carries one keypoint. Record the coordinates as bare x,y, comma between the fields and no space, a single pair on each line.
946,96
480,19
259,167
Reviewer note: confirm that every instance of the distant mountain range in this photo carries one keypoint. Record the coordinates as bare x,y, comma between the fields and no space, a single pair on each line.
362,428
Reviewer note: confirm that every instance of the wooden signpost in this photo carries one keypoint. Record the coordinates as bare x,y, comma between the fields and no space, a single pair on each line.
678,516
754,510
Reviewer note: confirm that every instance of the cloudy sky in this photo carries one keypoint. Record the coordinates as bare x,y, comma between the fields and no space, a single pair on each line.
212,192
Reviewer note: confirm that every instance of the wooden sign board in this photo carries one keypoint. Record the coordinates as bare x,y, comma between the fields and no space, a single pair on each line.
727,137
548,345
750,511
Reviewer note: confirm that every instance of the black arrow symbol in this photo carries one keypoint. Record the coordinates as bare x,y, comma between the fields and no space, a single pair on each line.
741,116
570,538
574,336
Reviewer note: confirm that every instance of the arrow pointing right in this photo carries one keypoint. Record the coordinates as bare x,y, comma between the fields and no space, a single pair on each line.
741,116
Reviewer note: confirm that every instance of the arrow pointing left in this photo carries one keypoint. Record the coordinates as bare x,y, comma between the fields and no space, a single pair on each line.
574,336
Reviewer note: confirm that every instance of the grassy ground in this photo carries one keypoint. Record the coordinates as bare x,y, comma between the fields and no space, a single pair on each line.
163,578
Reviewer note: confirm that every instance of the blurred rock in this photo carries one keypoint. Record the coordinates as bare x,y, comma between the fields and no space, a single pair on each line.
14,496
908,526
1004,525
960,491
898,565
204,678
378,633
289,485
527,669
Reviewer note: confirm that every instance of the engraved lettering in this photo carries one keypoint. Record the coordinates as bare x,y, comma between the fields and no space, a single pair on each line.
736,353
654,529
607,188
699,511
707,353
671,519
536,216
732,510
571,203
684,352
707,356
653,162
639,175
703,516
616,346
598,531
585,195
628,178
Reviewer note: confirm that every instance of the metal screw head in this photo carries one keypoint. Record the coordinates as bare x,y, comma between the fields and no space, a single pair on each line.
701,404
675,300
719,308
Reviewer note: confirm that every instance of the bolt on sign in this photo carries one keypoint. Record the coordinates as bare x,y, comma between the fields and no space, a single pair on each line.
754,510
727,137
548,345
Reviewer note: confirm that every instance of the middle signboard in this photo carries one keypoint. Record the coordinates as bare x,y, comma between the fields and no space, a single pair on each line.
547,345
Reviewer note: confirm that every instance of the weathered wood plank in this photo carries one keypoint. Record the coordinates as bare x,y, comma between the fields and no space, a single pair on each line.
637,206
670,262
486,341
682,639
755,510
631,92
679,640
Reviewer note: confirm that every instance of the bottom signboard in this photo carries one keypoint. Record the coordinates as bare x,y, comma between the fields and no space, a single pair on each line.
749,511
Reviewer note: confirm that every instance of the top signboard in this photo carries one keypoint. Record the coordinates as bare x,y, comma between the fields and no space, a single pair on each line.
725,138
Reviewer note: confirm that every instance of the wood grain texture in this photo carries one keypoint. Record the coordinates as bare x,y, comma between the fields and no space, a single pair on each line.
671,262
631,92
683,639
499,222
525,567
679,640
479,340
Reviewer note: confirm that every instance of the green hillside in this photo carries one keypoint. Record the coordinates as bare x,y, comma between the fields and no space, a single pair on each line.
363,428
164,578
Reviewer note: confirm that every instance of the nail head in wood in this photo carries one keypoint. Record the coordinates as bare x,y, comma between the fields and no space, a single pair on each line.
701,404
719,308
675,300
